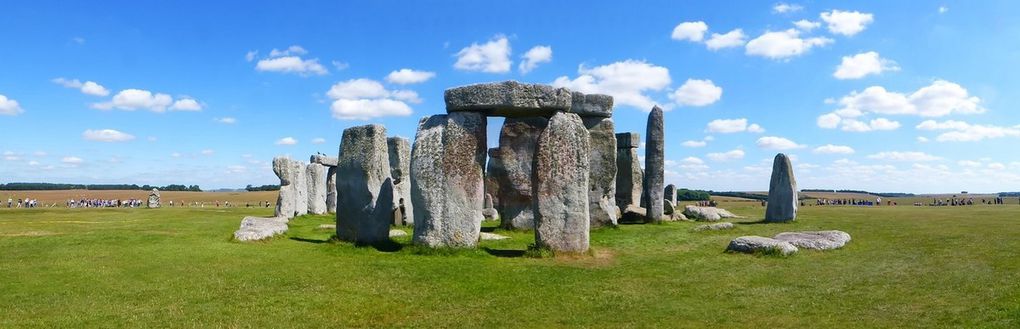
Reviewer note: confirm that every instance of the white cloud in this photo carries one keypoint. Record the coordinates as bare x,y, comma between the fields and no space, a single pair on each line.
490,57
941,98
847,23
693,31
834,149
728,126
735,38
726,156
186,104
226,120
755,128
287,141
829,121
806,25
134,99
696,92
87,87
318,140
863,64
72,160
781,45
106,135
904,156
777,143
9,106
959,131
943,9
250,56
694,143
883,124
969,163
291,64
626,81
693,164
340,66
996,166
535,56
783,8
922,139
364,99
175,155
409,76
292,50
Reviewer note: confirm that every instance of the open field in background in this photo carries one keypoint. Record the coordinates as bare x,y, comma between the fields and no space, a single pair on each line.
60,197
919,267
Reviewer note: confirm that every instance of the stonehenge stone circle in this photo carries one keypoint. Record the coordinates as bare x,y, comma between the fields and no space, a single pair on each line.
365,201
782,201
447,179
591,105
708,214
518,142
669,194
602,192
315,174
508,99
300,182
153,199
654,166
561,185
400,170
488,211
330,164
629,175
753,244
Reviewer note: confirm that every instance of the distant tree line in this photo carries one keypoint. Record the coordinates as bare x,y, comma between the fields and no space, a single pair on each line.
884,195
1008,194
691,195
95,187
250,188
745,195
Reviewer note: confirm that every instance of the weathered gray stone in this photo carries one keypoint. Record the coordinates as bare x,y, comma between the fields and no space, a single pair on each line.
316,178
397,233
365,190
708,214
326,227
668,208
494,174
488,212
447,180
153,199
629,175
518,142
818,240
258,228
654,166
561,185
491,236
331,189
324,160
286,202
300,182
400,170
508,99
782,202
669,193
591,105
602,180
714,227
753,244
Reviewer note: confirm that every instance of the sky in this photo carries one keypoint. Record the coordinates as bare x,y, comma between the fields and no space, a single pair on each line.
885,96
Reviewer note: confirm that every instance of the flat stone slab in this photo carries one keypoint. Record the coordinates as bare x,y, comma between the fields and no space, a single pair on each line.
709,214
817,240
258,228
509,99
492,236
714,227
591,105
396,233
753,244
628,140
327,227
324,160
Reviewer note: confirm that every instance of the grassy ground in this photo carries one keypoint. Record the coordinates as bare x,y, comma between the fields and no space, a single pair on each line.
906,267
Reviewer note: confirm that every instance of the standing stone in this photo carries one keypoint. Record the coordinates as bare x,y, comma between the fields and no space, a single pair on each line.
518,140
669,193
782,203
330,164
447,179
365,201
629,176
300,182
494,174
561,185
602,179
154,199
286,201
316,178
654,166
488,212
400,171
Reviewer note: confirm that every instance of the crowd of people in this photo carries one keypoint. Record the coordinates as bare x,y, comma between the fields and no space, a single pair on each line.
706,204
103,203
954,201
22,203
851,202
90,202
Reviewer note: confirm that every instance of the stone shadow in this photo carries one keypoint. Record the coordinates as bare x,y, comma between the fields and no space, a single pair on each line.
505,253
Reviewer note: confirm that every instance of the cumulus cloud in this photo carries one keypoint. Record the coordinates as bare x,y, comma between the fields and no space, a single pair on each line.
135,99
87,87
939,99
534,56
904,156
693,143
409,76
696,92
728,126
365,99
735,38
726,156
834,149
9,106
627,81
777,143
691,31
806,25
755,128
186,104
693,164
489,57
782,45
106,135
960,131
863,64
289,61
287,141
226,120
846,23
783,8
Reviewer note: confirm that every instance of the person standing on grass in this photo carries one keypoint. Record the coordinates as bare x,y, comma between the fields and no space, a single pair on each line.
9,201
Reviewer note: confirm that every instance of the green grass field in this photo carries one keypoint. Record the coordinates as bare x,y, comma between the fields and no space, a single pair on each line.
906,267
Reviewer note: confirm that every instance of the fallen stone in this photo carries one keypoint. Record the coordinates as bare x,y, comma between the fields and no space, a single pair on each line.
365,202
508,99
755,244
316,178
654,166
629,175
326,227
258,228
491,236
561,185
818,240
518,142
782,201
400,170
602,179
397,233
714,227
709,214
591,105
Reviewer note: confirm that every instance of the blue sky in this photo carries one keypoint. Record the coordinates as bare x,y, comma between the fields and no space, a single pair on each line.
876,95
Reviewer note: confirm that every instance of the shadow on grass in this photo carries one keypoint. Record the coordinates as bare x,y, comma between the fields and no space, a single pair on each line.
505,253
489,229
315,241
758,222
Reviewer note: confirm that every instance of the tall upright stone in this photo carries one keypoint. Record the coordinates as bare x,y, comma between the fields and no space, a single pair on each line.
494,174
595,112
365,200
654,167
300,181
518,141
782,202
447,179
330,164
286,201
629,175
315,174
400,171
561,185
669,194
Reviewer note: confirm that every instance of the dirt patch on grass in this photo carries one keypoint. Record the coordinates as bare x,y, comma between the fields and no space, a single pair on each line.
594,258
29,233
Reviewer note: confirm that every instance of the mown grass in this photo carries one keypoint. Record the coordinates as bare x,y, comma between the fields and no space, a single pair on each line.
906,267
